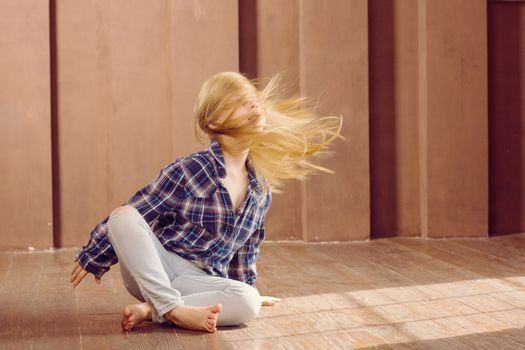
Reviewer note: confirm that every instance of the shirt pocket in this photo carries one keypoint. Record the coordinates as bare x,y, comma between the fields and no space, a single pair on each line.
201,211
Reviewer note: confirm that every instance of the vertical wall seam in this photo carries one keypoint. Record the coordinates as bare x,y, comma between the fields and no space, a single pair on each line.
110,119
170,78
239,44
487,134
423,117
370,198
55,160
302,184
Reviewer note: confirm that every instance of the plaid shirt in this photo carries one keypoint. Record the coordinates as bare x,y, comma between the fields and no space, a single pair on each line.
191,214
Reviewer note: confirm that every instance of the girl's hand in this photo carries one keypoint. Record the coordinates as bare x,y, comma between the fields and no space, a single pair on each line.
78,274
269,301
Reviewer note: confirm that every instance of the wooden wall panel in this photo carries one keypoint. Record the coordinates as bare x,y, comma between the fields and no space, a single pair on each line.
506,40
453,112
334,66
261,22
128,79
114,106
128,73
84,116
204,41
25,121
394,174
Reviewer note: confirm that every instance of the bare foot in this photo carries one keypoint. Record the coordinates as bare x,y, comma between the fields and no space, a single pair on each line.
197,318
135,314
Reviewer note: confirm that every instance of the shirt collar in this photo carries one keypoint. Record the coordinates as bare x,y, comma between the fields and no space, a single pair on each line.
220,165
216,153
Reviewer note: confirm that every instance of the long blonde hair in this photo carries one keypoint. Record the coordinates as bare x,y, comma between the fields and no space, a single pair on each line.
293,132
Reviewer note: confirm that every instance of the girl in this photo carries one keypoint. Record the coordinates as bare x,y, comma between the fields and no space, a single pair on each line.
188,242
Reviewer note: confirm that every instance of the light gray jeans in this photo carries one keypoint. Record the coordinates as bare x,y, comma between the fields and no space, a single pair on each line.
165,280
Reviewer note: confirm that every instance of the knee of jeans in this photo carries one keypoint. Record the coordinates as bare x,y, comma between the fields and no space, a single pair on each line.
247,302
125,209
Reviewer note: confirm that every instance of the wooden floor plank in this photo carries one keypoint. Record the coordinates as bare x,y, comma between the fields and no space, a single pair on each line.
57,327
19,300
100,314
6,259
399,293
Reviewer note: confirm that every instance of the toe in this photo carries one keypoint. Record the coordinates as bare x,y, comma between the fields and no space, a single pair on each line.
212,325
216,308
126,311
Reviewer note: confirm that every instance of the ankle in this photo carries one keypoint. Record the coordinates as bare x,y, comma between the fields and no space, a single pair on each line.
175,313
148,311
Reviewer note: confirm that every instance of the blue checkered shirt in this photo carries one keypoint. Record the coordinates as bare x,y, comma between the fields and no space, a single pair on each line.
191,214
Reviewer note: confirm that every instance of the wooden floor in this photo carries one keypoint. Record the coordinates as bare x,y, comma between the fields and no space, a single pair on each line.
401,293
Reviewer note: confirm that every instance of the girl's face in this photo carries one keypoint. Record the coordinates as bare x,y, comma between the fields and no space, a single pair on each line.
250,109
